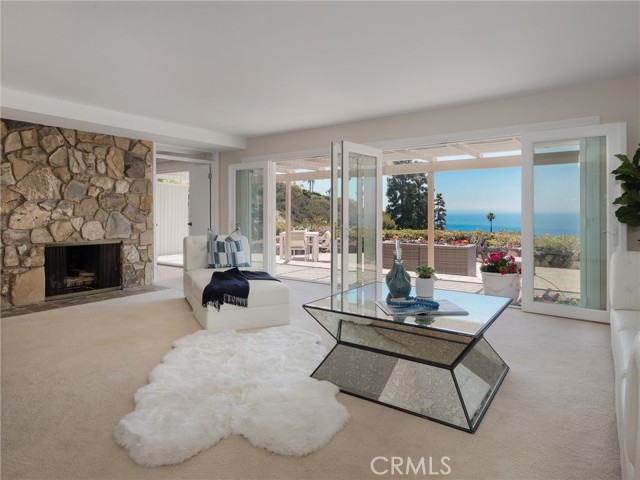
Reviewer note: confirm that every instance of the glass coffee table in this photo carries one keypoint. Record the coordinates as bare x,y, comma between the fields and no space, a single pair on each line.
438,367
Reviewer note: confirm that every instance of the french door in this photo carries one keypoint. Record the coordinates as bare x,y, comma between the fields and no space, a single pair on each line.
356,215
251,207
569,230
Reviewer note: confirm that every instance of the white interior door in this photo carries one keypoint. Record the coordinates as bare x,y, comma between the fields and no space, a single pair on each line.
356,215
566,176
252,210
199,199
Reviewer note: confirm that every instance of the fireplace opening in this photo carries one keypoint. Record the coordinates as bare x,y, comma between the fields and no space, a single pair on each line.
81,269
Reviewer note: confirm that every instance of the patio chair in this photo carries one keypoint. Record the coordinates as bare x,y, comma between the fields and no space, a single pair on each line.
297,241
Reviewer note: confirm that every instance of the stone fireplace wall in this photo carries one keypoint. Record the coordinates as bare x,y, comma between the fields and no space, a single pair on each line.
62,185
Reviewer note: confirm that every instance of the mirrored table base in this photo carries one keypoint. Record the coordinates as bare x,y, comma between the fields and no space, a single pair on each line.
457,395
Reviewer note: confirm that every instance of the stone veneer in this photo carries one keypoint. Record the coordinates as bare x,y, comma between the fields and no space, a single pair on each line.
62,185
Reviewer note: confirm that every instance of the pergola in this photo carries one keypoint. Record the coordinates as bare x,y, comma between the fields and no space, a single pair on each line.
428,159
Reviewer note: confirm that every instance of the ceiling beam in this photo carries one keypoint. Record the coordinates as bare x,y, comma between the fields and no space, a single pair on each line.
296,177
409,168
162,157
414,154
172,166
466,149
33,108
451,165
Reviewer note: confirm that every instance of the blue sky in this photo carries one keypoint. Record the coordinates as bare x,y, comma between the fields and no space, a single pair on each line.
496,190
557,189
499,189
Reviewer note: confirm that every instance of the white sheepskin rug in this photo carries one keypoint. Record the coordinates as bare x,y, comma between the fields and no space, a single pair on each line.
211,386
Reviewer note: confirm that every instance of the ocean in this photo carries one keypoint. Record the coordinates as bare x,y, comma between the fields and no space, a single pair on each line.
554,223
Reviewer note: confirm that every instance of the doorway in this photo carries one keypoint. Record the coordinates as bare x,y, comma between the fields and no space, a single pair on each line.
566,173
172,216
304,184
185,183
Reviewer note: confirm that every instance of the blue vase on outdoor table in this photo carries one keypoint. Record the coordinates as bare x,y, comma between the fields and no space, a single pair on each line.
398,280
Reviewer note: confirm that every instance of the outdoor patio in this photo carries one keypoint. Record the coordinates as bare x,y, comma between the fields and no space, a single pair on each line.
568,280
308,271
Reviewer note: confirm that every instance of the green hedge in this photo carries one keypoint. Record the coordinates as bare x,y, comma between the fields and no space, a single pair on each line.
557,244
563,248
495,239
559,251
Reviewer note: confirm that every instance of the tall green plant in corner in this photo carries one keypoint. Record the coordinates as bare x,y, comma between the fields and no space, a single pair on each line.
629,175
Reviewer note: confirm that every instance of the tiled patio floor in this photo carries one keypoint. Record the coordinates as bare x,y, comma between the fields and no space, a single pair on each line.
298,269
567,280
320,272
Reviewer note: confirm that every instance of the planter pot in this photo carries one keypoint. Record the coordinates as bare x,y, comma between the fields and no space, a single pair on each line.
424,287
449,259
501,285
455,259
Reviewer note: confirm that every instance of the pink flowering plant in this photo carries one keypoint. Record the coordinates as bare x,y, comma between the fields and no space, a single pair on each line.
500,262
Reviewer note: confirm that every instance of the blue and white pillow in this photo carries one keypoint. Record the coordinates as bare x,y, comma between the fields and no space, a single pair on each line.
226,253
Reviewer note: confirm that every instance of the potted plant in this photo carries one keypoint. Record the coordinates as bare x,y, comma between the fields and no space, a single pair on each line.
501,276
629,175
425,281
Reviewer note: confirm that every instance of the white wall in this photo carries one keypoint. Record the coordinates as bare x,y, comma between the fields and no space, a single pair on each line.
613,101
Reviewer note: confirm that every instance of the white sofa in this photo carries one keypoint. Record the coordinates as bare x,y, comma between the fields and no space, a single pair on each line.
624,290
268,303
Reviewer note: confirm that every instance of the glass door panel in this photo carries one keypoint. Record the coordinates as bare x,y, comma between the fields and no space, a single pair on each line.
248,210
569,222
336,217
569,230
356,215
363,214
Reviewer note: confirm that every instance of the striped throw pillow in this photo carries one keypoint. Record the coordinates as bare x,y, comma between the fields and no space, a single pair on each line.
226,253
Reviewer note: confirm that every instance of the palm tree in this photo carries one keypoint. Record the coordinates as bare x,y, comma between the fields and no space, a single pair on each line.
491,217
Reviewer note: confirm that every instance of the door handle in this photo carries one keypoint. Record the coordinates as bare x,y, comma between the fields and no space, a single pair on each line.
190,224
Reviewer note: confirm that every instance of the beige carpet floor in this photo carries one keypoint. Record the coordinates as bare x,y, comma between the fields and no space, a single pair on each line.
69,375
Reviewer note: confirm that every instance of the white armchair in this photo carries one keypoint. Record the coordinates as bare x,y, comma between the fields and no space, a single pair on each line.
268,300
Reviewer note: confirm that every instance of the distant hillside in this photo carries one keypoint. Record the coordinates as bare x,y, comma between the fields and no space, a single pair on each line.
308,209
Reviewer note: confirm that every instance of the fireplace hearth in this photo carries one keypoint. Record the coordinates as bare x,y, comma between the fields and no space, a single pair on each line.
80,269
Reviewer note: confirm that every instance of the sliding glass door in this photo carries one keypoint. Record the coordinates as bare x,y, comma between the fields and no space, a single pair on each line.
251,201
356,220
569,229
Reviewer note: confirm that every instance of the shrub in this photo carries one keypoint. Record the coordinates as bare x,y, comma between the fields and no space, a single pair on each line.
557,244
388,223
556,250
502,238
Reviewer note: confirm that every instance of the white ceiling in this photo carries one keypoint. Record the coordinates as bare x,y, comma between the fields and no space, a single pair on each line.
224,71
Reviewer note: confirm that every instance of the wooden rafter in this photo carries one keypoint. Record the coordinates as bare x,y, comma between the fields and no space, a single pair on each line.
317,168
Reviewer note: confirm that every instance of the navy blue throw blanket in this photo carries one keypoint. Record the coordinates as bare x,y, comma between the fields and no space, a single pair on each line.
231,286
